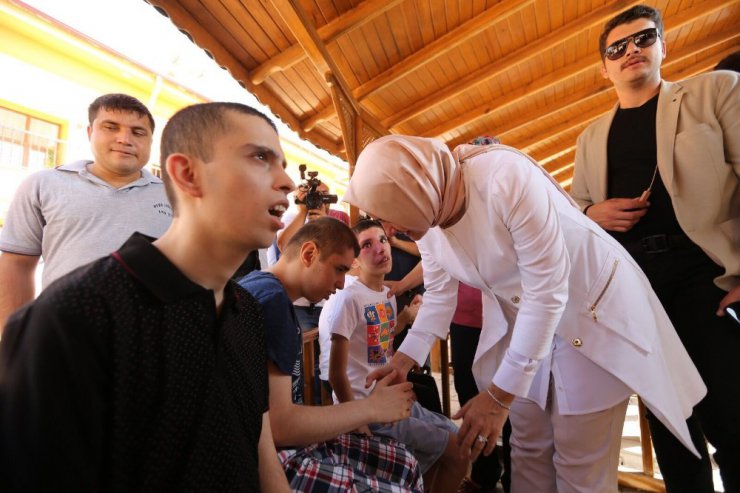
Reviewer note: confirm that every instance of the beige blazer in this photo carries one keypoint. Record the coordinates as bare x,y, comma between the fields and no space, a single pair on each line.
698,141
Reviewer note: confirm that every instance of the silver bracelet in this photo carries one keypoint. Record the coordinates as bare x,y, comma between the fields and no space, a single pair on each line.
495,399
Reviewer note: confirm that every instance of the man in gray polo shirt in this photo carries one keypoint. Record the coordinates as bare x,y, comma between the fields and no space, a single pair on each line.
76,213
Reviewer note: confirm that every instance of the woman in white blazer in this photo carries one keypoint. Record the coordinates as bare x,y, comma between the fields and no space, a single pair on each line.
571,326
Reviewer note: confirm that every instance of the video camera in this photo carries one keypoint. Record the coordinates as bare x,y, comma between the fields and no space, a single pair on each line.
314,199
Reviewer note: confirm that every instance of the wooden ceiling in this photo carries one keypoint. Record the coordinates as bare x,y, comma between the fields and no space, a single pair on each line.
526,71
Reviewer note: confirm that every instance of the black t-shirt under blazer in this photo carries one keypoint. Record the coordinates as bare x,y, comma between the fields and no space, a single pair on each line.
632,154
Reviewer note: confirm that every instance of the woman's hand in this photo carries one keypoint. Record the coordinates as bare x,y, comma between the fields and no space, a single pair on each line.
483,420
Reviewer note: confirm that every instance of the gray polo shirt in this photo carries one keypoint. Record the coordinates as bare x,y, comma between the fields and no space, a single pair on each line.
71,217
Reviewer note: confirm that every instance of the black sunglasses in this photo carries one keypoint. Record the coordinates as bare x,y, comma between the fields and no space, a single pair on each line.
642,39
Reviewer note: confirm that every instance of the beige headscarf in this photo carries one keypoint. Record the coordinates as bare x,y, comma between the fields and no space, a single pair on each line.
412,182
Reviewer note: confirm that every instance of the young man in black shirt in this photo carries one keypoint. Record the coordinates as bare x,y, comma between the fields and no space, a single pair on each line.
661,173
145,370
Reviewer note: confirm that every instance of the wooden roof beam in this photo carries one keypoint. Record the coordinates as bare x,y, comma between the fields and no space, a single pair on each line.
596,17
564,174
549,154
440,46
512,97
581,119
435,49
557,165
578,120
298,22
696,11
595,91
325,114
327,33
672,24
185,22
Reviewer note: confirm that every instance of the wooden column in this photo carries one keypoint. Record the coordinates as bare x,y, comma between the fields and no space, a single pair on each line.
358,126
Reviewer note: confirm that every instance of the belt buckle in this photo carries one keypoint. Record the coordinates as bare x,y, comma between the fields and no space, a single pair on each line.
655,244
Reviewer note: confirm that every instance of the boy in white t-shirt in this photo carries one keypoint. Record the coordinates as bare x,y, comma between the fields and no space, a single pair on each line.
362,322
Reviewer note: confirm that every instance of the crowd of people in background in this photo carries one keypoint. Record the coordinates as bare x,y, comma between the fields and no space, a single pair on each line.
175,362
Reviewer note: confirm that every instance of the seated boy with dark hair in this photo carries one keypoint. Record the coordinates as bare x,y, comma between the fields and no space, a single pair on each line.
361,320
315,447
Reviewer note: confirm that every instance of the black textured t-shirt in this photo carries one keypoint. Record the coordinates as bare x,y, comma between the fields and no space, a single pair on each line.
632,155
122,376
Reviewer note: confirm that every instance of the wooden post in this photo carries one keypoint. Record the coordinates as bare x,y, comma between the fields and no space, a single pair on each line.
445,371
646,443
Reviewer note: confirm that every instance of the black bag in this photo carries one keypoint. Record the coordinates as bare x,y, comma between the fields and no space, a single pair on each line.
425,388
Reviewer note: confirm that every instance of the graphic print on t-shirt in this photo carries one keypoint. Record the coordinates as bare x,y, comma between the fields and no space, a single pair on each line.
381,322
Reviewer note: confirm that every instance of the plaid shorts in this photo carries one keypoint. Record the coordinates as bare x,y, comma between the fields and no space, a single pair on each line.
352,463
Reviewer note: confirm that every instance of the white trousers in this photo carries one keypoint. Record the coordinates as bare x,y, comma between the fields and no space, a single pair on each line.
553,453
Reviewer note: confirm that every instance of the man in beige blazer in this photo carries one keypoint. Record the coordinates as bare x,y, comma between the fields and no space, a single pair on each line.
660,172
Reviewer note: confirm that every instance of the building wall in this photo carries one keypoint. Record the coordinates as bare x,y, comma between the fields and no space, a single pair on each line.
52,72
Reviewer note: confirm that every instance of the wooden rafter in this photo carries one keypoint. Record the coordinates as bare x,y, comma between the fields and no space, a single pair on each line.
565,172
440,46
526,52
323,115
542,115
435,49
327,33
516,96
583,118
564,175
578,120
672,24
357,125
561,162
297,20
185,21
546,155
577,98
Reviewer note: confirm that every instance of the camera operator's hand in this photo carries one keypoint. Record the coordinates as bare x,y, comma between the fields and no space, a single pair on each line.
300,196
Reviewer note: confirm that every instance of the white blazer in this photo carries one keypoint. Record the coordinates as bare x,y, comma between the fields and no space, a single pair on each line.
545,269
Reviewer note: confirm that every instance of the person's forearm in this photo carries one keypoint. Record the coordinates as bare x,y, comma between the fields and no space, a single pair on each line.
407,246
17,286
341,386
304,425
402,322
284,237
402,363
272,476
414,278
500,397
